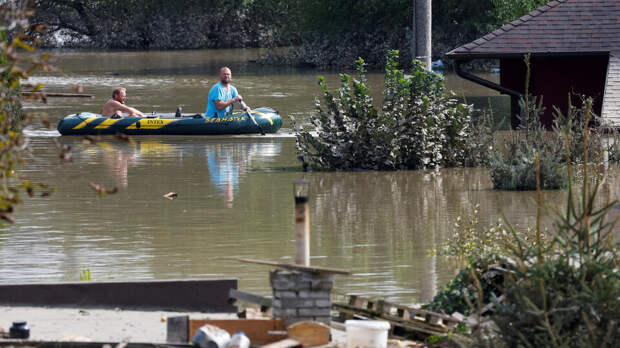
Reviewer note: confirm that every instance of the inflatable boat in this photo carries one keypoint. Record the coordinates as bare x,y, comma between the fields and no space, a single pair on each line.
265,120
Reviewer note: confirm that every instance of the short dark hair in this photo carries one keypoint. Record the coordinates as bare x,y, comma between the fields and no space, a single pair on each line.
118,91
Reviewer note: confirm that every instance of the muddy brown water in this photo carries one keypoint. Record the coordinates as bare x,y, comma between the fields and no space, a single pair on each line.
234,193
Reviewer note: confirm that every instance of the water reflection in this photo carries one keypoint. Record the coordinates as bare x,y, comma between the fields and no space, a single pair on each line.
227,161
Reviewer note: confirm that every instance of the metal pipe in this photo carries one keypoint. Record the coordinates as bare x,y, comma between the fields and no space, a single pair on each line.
483,82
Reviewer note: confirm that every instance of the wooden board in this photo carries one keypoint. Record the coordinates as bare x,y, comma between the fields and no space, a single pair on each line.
55,94
309,333
289,266
259,331
286,343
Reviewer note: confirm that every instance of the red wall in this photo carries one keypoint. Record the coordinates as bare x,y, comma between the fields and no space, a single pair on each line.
554,78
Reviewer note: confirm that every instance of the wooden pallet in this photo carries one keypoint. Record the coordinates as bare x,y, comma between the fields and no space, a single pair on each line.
402,319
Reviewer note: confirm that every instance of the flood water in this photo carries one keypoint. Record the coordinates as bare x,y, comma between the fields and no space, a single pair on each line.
234,193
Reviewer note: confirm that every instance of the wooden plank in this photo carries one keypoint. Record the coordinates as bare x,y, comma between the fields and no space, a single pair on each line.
294,267
338,326
414,325
247,297
56,94
259,331
433,319
309,333
405,318
286,343
188,295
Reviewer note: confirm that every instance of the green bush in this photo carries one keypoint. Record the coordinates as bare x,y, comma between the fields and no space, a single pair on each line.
566,294
418,127
473,287
563,291
512,162
513,166
484,249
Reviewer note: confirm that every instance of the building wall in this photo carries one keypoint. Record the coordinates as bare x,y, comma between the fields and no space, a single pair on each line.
554,78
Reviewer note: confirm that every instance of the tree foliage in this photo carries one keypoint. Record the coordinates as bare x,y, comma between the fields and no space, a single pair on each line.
162,24
14,68
323,32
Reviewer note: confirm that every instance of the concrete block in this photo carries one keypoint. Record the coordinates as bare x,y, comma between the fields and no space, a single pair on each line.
290,312
283,283
319,294
288,281
285,313
314,312
296,303
323,303
285,294
322,284
324,320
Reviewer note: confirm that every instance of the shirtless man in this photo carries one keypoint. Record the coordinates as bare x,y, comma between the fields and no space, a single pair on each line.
116,106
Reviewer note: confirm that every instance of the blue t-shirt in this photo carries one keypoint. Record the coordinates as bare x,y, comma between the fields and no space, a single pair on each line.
219,92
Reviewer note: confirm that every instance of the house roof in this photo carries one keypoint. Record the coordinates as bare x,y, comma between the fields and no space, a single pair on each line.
560,27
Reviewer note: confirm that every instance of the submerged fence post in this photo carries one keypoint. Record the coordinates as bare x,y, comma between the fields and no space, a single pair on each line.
302,222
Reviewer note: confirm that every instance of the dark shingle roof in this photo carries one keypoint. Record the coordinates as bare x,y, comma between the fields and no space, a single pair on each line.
560,27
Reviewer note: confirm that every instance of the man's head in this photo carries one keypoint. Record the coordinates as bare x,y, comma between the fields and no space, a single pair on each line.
225,76
119,94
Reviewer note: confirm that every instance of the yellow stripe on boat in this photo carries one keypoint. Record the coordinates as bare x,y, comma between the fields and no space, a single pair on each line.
266,116
151,123
241,115
224,119
85,122
107,123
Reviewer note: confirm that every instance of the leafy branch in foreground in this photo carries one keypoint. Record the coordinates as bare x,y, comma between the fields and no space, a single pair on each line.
13,69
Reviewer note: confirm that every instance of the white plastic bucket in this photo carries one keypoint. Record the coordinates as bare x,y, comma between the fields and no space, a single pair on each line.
367,333
210,336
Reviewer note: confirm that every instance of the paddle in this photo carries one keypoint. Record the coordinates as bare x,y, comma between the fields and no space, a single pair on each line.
245,107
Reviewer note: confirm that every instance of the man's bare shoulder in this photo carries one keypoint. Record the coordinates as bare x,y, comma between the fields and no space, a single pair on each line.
112,102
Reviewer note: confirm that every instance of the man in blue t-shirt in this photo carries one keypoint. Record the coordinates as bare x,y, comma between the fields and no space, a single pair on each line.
222,95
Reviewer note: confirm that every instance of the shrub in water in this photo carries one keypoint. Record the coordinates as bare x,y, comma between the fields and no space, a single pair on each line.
512,162
418,126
